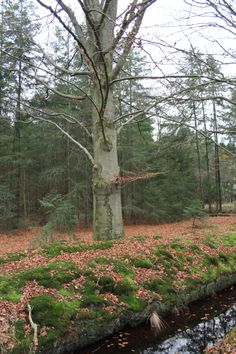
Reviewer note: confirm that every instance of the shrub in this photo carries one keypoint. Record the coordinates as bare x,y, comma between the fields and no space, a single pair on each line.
61,213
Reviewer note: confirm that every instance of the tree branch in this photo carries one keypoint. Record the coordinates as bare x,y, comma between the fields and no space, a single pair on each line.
34,327
81,147
135,14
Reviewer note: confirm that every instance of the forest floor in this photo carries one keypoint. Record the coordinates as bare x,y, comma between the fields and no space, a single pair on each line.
25,239
150,262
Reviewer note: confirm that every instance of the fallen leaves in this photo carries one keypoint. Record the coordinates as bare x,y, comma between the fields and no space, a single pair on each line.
139,243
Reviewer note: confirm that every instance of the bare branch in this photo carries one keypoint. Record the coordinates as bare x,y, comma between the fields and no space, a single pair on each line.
81,147
60,68
67,117
135,14
34,327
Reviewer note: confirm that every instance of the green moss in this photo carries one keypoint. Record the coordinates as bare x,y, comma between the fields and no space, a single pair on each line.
65,292
140,238
9,290
106,284
162,253
211,260
157,237
24,343
92,300
141,262
13,257
102,260
122,268
54,275
229,239
211,242
50,312
163,287
56,249
211,274
125,287
132,303
196,249
90,285
178,247
224,258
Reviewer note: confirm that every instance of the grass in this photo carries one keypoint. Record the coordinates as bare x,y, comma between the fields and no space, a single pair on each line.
12,257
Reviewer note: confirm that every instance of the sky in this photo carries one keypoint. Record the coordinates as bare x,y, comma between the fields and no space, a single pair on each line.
171,22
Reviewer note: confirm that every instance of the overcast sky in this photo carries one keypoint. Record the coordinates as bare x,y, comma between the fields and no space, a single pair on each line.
171,22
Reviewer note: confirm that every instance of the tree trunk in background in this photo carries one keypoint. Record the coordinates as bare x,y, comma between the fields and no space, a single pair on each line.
16,145
217,163
209,201
200,191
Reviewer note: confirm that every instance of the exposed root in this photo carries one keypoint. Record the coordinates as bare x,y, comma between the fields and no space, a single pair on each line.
34,327
157,324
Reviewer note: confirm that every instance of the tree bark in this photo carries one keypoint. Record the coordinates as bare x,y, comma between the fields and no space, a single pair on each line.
107,210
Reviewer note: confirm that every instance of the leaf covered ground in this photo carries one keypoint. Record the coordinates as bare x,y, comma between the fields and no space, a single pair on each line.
78,278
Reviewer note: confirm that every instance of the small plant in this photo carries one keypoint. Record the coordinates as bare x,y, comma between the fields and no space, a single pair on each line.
195,211
61,213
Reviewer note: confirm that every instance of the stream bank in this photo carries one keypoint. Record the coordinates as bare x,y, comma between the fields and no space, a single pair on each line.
89,332
81,293
197,327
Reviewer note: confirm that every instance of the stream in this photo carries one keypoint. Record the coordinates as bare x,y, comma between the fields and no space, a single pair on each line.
188,330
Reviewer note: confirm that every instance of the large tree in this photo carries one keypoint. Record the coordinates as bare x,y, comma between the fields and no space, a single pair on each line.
96,42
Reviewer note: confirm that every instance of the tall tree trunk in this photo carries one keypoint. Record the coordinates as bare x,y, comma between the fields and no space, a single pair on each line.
200,191
209,201
107,211
217,162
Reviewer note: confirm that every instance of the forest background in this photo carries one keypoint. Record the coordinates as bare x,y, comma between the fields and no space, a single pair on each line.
176,149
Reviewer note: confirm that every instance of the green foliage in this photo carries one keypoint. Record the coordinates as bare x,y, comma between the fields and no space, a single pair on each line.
195,211
122,268
140,238
162,253
62,214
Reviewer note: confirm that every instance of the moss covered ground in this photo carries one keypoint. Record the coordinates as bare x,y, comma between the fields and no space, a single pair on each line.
66,283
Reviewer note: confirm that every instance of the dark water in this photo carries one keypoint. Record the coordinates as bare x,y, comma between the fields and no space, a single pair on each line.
189,331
